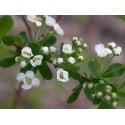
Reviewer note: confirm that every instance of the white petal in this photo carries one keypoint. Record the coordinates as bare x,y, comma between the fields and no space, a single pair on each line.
99,47
35,82
31,18
32,63
38,23
20,76
58,29
26,87
30,74
26,52
50,21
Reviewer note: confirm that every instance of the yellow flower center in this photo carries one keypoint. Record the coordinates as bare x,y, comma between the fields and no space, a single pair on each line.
26,53
28,80
36,59
61,75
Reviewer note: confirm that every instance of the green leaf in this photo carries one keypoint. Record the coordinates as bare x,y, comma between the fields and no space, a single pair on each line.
122,17
96,100
121,94
77,86
92,68
5,63
24,37
35,48
48,41
97,64
8,40
74,95
115,70
6,24
88,94
18,41
122,85
105,105
100,88
45,71
75,75
28,67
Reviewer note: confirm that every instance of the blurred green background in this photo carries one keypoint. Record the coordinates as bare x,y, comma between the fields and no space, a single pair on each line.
53,94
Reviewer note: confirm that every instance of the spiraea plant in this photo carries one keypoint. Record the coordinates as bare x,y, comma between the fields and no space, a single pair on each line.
101,85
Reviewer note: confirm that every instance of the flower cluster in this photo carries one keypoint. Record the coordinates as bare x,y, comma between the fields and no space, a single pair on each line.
48,20
27,57
112,49
69,57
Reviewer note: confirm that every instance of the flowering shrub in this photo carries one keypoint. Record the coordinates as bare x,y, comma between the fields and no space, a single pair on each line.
34,54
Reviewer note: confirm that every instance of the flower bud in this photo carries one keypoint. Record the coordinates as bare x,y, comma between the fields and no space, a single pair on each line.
71,60
107,98
108,87
85,45
52,49
90,85
115,104
80,58
54,62
80,49
101,81
60,60
99,94
17,59
114,95
117,51
84,85
45,50
111,45
23,64
78,43
74,38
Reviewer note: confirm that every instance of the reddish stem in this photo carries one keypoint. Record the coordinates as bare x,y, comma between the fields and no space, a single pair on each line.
17,98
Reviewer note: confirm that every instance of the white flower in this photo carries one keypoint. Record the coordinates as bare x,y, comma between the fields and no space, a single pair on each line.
45,50
62,75
50,21
75,38
84,45
112,44
23,64
81,58
52,49
28,80
37,20
58,29
17,59
67,49
80,49
60,60
71,60
78,43
27,52
36,61
54,62
117,50
102,51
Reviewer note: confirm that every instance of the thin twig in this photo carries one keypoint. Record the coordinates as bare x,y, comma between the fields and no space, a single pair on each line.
17,46
58,18
17,98
28,27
